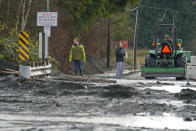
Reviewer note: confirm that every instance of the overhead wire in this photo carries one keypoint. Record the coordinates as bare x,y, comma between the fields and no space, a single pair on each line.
169,10
166,10
132,9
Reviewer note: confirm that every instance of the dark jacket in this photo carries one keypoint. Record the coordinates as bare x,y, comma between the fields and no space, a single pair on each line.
120,53
168,42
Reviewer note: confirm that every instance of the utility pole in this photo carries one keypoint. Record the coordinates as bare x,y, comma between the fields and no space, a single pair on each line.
48,7
155,30
108,44
135,39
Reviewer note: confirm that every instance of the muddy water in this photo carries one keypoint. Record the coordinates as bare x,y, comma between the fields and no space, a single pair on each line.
147,105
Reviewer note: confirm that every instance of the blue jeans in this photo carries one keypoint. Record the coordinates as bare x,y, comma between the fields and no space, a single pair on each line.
119,69
78,65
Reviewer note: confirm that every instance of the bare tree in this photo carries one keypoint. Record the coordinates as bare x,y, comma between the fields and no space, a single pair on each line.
8,12
27,14
25,5
18,14
23,15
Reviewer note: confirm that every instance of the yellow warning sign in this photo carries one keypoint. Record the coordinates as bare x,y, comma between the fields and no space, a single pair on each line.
23,46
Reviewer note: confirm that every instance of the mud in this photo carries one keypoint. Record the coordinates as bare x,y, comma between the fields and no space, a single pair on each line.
187,94
139,105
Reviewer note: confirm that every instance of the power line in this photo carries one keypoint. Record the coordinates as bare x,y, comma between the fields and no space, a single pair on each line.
166,10
169,10
132,9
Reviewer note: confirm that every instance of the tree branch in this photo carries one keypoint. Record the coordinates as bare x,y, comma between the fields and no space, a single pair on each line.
27,14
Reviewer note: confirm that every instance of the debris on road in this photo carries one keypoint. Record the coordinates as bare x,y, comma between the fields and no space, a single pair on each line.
87,79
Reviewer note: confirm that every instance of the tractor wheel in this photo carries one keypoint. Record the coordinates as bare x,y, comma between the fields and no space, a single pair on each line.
149,61
181,62
180,78
149,78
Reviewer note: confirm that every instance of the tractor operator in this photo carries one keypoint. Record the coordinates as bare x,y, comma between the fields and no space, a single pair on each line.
166,40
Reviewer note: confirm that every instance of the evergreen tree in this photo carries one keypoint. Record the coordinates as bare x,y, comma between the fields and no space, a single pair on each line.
181,10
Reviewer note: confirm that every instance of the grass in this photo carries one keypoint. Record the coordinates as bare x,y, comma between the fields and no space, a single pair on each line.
140,57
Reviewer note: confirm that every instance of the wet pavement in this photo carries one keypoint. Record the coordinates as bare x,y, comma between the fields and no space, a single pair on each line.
137,104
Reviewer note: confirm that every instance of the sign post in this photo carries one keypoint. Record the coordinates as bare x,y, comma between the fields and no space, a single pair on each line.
40,45
46,19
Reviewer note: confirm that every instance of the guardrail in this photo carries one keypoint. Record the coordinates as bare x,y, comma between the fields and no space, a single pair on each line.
35,70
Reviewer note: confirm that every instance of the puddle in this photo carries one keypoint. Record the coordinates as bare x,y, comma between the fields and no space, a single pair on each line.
170,88
175,103
154,122
154,81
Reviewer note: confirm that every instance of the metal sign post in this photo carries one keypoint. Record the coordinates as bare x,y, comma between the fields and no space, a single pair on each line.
40,45
47,34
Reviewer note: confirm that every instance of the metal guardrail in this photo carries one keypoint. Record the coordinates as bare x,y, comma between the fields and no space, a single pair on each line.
35,70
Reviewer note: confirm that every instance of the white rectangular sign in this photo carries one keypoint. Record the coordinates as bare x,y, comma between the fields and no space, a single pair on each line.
47,18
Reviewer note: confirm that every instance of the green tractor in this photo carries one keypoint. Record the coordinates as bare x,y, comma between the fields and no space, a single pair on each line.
167,58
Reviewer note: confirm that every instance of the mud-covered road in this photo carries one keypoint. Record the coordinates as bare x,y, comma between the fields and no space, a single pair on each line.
131,104
138,104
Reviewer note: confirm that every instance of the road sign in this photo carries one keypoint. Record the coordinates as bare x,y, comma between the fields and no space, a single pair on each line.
124,44
23,46
47,18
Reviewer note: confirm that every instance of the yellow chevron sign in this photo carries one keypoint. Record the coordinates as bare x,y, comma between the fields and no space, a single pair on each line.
23,46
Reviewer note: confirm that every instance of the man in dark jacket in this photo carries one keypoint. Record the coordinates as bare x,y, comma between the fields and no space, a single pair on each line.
120,53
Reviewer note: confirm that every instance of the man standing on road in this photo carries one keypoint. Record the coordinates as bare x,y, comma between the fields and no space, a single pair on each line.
77,55
120,53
